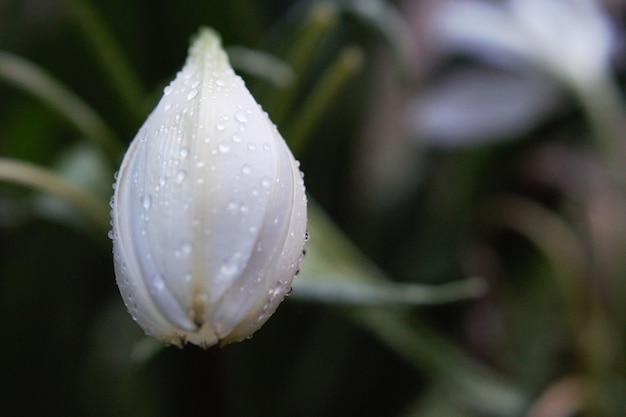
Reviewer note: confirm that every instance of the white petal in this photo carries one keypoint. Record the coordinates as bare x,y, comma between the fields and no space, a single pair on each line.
210,212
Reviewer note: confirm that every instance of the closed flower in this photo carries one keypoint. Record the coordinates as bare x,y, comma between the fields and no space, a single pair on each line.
209,210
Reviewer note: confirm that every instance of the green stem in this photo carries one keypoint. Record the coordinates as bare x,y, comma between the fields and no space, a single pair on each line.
326,90
336,289
34,80
31,175
301,54
329,251
467,380
557,242
123,78
606,112
385,18
261,64
605,109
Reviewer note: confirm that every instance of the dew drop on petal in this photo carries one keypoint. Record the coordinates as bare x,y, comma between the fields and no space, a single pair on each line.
232,206
192,94
230,267
185,247
184,153
158,283
246,169
224,147
181,174
146,201
241,117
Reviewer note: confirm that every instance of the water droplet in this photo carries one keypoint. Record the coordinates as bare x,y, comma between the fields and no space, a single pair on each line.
252,146
244,209
185,247
246,169
224,147
266,182
230,267
241,117
192,94
167,90
232,206
181,174
236,138
184,152
167,106
220,83
220,126
266,147
195,84
162,180
146,201
158,283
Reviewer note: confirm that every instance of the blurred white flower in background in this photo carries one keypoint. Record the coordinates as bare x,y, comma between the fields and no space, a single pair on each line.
209,212
570,39
523,46
474,106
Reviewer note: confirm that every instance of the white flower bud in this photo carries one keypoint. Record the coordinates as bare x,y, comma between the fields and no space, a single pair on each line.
209,210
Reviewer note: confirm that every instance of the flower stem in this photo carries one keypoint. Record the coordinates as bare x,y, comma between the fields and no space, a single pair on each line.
468,380
28,77
330,84
301,54
261,64
31,175
606,112
123,78
555,239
